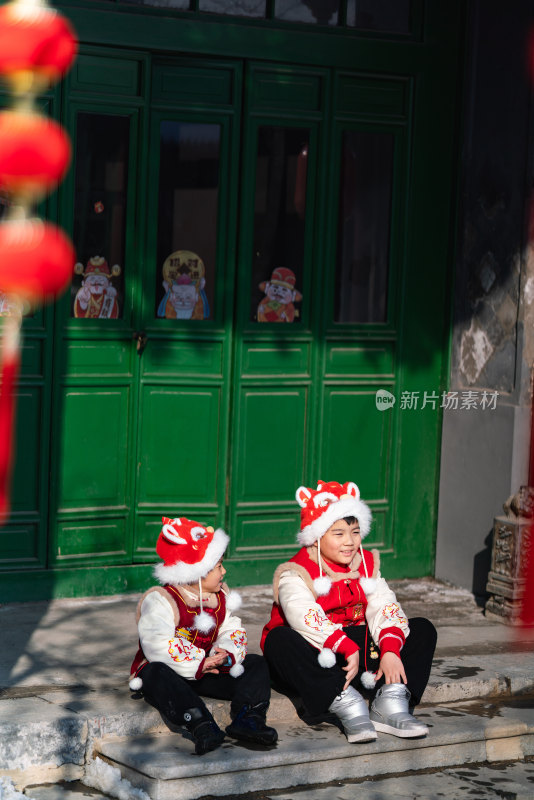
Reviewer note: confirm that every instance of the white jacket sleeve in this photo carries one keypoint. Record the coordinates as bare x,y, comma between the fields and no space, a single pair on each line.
232,637
156,628
302,612
383,611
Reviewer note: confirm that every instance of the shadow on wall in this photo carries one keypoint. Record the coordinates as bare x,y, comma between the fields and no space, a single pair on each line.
481,568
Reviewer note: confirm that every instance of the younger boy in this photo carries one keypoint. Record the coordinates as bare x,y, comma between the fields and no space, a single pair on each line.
330,598
190,642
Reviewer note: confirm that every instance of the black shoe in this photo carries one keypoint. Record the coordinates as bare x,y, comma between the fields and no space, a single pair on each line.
249,725
206,733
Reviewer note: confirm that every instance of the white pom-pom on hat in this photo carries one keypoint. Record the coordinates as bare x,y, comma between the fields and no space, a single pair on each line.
368,679
237,670
326,658
204,622
135,684
368,585
233,601
322,585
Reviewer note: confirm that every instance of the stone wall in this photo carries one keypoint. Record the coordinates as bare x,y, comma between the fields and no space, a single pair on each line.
485,453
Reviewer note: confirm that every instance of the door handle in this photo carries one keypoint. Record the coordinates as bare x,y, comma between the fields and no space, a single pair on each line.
141,338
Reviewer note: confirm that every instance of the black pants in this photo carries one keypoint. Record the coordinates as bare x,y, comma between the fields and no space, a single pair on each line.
295,669
172,695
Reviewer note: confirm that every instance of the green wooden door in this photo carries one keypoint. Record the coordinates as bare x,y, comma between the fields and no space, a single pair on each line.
144,368
325,188
252,241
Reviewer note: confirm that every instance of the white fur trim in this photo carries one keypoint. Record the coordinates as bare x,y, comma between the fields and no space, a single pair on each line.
368,585
322,585
204,622
237,670
135,684
234,601
368,680
348,507
326,658
182,573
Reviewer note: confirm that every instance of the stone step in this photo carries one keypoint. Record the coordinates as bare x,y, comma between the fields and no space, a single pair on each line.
50,736
166,767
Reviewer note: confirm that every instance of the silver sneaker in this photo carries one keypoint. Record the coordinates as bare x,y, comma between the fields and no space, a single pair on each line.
390,712
351,710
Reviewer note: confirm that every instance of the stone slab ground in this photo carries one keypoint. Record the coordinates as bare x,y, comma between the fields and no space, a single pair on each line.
166,767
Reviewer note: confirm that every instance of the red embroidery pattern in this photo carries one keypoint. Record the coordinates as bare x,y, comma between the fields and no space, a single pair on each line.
239,639
391,611
313,620
180,650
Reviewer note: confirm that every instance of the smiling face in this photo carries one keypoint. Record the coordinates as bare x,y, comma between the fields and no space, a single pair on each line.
96,283
214,579
183,296
341,541
279,293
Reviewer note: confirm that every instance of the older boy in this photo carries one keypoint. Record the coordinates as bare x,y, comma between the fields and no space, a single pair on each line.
331,598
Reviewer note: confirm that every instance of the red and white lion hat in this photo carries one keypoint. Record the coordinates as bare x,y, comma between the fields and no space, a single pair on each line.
188,549
320,509
325,505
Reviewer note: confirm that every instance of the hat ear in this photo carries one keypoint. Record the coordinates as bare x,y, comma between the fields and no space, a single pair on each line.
302,496
352,490
171,534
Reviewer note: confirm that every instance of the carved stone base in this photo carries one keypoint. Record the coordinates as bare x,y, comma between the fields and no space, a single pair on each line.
511,542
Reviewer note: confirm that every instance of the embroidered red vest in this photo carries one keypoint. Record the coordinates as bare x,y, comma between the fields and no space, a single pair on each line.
344,604
185,628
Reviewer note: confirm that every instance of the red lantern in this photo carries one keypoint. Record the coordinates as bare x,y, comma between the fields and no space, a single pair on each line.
37,46
34,152
35,39
36,259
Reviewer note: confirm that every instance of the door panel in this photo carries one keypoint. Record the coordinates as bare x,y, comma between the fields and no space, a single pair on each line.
180,432
274,408
285,359
365,248
356,438
95,404
101,542
272,429
96,421
351,361
186,306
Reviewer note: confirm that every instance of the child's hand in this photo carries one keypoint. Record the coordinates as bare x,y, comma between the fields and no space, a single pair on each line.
351,669
392,668
214,660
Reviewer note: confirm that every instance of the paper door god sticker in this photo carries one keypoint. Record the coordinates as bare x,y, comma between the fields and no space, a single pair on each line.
280,296
184,281
97,297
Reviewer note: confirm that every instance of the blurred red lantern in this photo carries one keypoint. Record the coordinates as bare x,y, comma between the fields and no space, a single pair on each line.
36,259
34,152
35,39
37,46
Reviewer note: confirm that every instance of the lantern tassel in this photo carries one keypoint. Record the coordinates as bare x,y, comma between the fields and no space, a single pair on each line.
9,372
